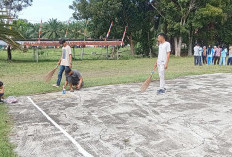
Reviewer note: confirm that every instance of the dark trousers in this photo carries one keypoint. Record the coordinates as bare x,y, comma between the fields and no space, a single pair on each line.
216,60
213,58
197,60
60,73
229,62
204,59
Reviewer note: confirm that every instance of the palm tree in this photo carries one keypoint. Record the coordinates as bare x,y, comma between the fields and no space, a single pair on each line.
26,28
32,30
8,35
53,29
76,30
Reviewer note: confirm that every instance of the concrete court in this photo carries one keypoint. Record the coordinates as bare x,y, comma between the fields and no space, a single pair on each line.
193,119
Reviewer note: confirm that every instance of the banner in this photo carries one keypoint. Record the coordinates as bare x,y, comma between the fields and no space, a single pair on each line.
40,30
107,35
123,35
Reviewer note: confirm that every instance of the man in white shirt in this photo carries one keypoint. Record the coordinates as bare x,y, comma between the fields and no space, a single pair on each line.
197,55
65,60
162,61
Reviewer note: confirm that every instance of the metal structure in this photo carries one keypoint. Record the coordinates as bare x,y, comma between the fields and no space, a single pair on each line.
72,43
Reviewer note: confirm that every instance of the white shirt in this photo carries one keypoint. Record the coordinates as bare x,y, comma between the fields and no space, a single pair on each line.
200,51
164,49
66,51
197,51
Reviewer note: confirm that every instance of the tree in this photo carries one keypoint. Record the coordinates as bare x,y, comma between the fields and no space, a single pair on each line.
186,17
176,14
135,14
53,29
25,28
212,21
14,6
76,30
8,35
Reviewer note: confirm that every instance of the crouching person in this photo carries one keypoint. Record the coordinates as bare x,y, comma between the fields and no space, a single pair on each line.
73,78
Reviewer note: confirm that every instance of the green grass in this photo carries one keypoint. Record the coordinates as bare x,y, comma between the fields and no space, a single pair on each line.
23,76
6,149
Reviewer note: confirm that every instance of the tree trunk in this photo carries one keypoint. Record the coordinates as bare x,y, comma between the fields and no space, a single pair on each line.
9,53
175,43
172,45
190,47
132,46
178,44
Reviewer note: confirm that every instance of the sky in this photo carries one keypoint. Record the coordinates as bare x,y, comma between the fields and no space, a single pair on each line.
47,9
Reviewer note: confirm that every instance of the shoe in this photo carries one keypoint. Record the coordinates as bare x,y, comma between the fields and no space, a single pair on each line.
161,91
71,90
55,85
1,102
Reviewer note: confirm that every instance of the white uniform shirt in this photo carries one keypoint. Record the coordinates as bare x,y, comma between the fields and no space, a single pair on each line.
164,49
197,51
66,51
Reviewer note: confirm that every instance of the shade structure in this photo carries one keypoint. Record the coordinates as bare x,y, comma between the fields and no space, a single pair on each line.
72,43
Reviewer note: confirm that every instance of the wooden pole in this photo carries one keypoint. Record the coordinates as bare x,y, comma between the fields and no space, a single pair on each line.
82,53
74,52
37,55
34,53
117,52
107,52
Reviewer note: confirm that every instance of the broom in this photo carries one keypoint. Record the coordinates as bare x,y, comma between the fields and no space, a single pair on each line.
48,77
147,83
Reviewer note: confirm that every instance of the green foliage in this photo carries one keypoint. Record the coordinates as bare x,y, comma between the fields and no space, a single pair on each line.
205,21
7,34
23,76
14,6
200,20
136,14
53,29
28,30
76,30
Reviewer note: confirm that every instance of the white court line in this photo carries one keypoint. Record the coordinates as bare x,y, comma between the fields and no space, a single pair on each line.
80,149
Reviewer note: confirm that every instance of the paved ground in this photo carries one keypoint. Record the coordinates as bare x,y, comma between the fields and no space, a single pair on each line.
193,119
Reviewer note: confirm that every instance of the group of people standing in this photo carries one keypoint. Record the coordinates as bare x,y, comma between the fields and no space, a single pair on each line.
212,55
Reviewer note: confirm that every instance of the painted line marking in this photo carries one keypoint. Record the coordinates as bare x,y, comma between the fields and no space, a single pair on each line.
80,149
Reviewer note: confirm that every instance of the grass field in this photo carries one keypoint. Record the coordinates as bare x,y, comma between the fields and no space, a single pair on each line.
23,76
6,149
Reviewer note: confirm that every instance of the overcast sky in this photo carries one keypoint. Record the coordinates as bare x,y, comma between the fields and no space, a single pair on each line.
47,9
